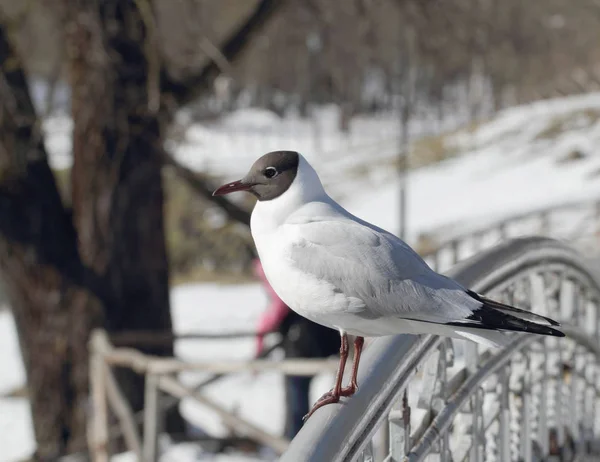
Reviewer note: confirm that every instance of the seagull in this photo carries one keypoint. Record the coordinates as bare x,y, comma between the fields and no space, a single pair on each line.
347,274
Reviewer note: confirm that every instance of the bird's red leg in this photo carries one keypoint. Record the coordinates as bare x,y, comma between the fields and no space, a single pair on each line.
351,389
333,396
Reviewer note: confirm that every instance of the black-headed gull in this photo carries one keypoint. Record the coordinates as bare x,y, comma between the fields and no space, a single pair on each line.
340,271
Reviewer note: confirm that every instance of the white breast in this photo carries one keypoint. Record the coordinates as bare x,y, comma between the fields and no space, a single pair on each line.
302,292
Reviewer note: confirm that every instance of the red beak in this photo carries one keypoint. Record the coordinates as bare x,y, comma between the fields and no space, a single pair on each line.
232,187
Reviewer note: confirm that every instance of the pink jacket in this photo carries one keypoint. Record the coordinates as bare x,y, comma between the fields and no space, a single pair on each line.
275,313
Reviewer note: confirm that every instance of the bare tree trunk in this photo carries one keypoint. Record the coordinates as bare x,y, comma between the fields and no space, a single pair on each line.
42,272
116,176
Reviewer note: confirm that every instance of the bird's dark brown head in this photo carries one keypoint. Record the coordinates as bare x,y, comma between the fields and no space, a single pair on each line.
269,177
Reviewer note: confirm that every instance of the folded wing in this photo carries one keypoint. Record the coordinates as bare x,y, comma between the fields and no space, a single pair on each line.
372,265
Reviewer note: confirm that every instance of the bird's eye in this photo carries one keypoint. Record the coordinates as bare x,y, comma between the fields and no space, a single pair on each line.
270,172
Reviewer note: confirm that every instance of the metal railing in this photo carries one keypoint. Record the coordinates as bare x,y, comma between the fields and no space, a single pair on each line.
576,222
427,398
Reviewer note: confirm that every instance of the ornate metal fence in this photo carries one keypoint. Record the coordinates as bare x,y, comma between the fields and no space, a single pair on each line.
426,398
576,222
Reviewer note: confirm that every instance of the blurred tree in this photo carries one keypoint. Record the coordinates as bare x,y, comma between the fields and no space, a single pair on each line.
105,263
533,49
48,287
117,192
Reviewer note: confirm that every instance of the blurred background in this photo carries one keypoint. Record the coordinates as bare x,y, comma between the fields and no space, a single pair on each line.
118,118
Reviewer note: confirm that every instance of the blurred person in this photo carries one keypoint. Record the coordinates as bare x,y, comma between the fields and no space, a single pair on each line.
301,339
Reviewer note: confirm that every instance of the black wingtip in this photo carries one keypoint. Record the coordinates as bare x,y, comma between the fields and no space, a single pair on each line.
514,325
493,304
499,316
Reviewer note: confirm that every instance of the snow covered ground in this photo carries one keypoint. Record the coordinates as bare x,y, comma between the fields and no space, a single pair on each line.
513,163
525,158
231,144
517,161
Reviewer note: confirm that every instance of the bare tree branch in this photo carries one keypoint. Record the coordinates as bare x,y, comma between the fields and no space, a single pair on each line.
205,189
188,89
152,55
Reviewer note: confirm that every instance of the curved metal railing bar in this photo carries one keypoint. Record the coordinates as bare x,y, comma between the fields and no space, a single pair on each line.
535,397
451,250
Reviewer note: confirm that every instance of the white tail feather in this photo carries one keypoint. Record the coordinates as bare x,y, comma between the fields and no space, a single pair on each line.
488,338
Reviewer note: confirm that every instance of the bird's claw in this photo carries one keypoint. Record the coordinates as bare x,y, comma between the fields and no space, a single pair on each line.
328,398
331,397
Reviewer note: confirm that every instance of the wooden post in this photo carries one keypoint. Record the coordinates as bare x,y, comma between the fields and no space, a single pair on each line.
98,432
151,419
120,406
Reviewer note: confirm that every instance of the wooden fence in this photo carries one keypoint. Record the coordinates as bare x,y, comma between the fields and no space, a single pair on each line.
161,376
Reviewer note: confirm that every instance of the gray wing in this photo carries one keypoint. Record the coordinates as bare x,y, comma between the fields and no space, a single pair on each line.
380,269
